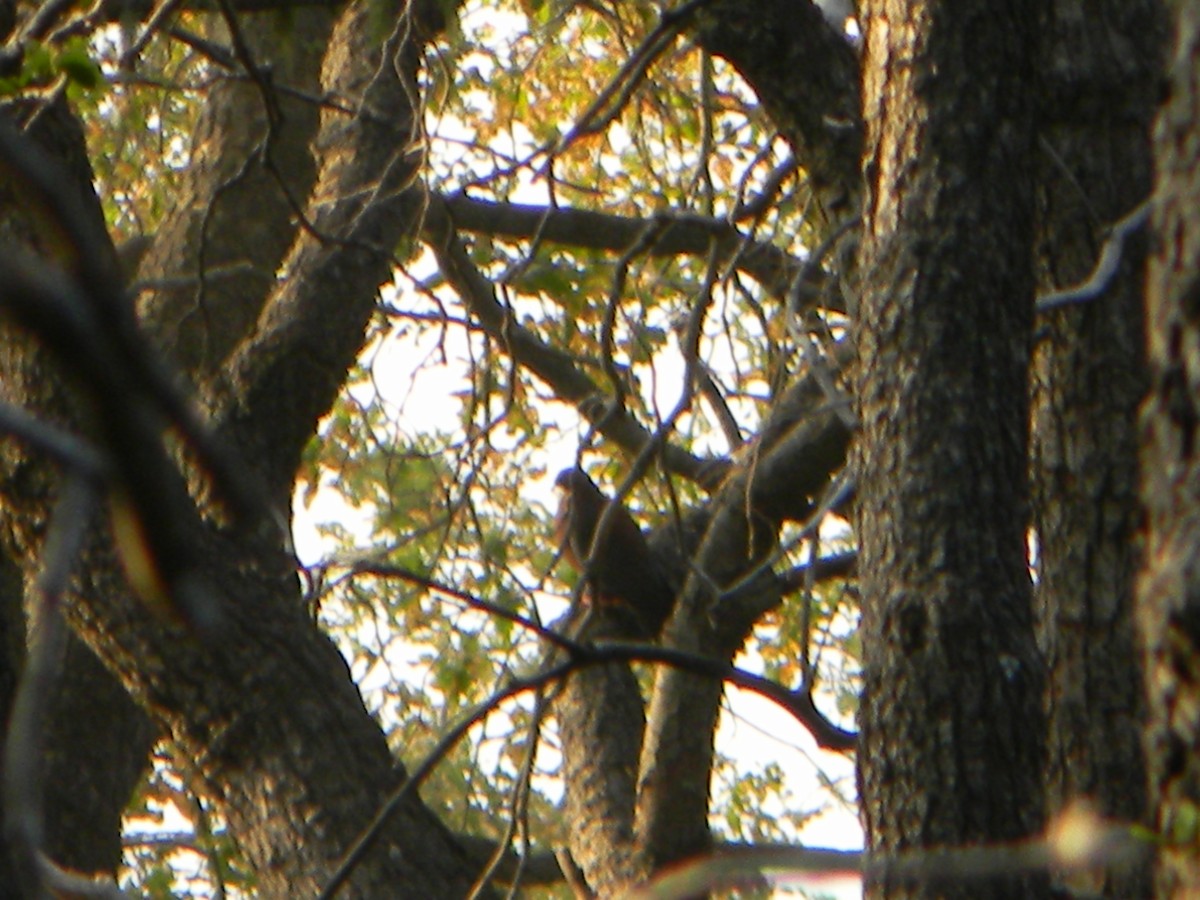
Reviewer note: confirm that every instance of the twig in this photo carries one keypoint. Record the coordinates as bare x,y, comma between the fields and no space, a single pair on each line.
381,570
583,655
1106,266
164,9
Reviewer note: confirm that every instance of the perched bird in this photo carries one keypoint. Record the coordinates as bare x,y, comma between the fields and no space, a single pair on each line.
619,568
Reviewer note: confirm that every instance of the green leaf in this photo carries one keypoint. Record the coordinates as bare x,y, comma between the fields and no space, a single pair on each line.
76,63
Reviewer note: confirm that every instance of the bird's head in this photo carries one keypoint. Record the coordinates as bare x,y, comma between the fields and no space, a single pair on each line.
575,481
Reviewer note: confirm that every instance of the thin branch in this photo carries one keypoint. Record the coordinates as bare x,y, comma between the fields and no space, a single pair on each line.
583,655
381,570
68,450
1077,840
518,812
820,569
1106,265
162,11
257,74
613,98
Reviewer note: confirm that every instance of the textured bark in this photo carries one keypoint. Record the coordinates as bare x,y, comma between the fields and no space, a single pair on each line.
95,739
806,75
285,376
97,746
276,730
268,713
601,719
246,173
950,745
1088,379
1169,589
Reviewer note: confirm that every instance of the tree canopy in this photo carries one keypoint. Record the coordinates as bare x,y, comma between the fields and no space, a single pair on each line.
307,305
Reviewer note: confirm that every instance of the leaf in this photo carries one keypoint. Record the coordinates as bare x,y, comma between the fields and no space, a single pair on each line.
76,63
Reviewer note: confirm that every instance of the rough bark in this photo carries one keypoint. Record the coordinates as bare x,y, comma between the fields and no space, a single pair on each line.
97,745
1101,84
1169,587
601,720
950,745
95,739
268,713
217,258
806,75
285,376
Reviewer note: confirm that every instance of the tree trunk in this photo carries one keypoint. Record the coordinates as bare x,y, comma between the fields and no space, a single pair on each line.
97,746
1102,75
950,745
268,712
1169,588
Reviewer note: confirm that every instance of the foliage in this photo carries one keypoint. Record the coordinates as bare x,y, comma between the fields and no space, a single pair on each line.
438,457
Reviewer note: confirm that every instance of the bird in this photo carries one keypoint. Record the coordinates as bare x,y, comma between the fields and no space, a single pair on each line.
621,572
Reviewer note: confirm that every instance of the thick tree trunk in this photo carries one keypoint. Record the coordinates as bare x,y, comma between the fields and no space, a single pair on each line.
245,173
97,747
1102,76
1169,589
268,712
950,746
95,739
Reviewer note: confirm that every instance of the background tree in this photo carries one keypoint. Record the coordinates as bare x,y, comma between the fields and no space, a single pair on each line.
1088,379
634,227
1167,590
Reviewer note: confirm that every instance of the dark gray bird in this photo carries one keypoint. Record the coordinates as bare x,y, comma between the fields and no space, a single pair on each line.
620,569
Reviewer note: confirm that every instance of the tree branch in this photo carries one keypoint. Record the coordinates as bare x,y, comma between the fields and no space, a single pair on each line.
690,235
552,365
283,379
807,75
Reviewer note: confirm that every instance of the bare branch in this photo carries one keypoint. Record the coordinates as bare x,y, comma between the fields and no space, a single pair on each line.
549,363
1107,263
770,266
